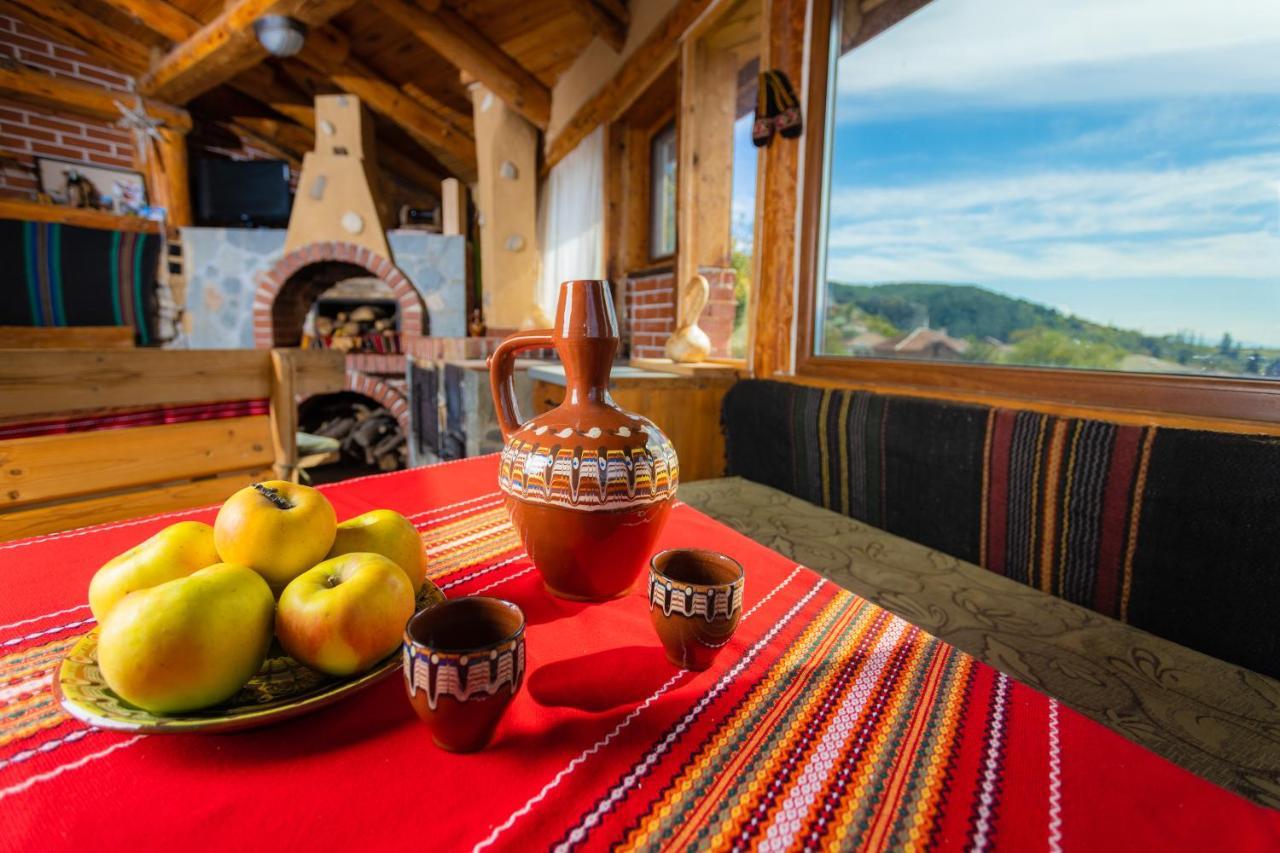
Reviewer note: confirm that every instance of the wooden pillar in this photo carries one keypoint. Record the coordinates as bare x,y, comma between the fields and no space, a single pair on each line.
166,174
773,306
506,196
284,413
708,95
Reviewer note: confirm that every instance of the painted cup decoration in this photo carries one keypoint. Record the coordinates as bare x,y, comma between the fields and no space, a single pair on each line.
588,485
463,664
695,602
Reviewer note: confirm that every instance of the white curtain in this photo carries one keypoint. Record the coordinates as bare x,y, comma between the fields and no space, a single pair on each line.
571,221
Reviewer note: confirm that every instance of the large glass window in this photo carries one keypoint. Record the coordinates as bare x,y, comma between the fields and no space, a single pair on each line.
1088,184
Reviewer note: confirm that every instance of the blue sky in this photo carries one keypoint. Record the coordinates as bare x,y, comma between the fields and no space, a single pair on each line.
1118,160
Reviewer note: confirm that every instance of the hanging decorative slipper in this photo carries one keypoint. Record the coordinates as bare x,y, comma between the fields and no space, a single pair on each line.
762,128
789,122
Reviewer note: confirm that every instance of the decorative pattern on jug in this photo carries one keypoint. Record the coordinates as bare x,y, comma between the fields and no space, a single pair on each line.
589,478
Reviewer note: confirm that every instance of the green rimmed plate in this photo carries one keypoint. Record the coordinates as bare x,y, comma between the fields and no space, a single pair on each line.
283,688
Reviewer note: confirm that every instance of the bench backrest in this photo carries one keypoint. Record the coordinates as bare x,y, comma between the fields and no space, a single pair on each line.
95,435
1175,531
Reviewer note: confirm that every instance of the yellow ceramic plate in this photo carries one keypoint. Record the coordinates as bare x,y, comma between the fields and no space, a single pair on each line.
283,688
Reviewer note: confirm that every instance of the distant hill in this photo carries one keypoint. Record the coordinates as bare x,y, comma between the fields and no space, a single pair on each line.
966,311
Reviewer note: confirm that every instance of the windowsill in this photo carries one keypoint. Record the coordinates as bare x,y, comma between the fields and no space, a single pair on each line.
1201,402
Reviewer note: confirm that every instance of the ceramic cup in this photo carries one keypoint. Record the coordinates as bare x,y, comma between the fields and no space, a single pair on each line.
695,602
463,664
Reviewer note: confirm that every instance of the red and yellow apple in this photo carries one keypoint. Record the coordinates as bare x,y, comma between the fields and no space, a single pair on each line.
385,532
174,552
346,614
277,528
187,643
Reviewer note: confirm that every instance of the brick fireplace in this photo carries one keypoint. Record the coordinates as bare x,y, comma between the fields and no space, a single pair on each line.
288,289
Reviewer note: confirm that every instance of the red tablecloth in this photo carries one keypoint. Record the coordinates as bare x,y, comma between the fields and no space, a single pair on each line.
826,721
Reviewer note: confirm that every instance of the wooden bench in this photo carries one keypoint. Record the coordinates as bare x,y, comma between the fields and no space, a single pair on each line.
66,337
52,482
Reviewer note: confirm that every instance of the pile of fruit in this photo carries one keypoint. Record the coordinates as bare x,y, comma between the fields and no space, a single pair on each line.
187,617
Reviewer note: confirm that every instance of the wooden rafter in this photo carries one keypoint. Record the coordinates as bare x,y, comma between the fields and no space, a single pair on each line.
453,37
28,85
609,24
227,45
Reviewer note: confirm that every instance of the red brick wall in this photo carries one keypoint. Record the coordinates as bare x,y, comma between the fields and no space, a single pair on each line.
27,132
651,312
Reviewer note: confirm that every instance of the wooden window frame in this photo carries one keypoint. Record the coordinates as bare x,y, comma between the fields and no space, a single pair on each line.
1170,399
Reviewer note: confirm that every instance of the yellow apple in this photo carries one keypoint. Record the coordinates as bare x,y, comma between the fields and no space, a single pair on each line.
174,552
278,529
187,643
346,614
385,532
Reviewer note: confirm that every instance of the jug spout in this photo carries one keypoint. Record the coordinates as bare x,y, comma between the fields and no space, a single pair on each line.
586,337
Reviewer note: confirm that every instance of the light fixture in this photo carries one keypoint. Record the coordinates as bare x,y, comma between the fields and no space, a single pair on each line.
280,35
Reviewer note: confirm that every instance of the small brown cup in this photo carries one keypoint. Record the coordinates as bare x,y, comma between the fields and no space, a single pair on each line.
695,602
463,664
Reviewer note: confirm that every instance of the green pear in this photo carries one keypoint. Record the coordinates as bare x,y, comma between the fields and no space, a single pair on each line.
174,552
188,643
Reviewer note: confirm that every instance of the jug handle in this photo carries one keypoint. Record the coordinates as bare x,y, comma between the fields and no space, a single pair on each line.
501,364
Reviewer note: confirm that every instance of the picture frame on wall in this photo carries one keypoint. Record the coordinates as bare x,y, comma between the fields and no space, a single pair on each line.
80,184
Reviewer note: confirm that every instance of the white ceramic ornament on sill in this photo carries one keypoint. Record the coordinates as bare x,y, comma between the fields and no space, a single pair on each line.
688,344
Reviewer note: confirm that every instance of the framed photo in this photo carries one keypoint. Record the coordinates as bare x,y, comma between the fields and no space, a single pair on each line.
100,187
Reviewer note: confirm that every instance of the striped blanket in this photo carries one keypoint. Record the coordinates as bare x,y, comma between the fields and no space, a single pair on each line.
64,275
1174,531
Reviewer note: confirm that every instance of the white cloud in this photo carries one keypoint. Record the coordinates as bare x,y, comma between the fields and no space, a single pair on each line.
1046,51
1212,220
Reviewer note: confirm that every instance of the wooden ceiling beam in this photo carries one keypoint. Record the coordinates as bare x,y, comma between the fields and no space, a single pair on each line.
159,16
463,121
454,148
28,85
300,140
65,23
451,144
609,24
227,45
453,37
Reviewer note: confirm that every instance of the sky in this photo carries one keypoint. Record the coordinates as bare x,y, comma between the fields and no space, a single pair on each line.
1115,159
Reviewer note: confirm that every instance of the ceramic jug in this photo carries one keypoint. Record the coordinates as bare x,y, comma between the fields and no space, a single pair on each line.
588,485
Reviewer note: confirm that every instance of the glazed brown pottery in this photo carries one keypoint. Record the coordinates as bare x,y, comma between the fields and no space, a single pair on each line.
695,602
588,485
463,664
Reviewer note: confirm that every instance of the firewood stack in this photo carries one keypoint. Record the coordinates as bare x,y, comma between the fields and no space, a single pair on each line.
366,328
369,436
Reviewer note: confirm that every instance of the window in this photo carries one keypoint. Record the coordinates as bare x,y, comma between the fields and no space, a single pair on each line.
662,193
1036,183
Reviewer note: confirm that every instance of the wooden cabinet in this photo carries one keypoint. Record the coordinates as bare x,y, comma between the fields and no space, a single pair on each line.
686,408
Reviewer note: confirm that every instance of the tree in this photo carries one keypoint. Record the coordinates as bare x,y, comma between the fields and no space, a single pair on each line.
1226,345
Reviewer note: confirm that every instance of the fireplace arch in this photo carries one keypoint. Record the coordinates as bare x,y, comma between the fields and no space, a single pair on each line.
285,291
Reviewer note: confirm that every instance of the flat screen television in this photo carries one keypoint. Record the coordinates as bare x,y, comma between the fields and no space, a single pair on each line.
250,193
